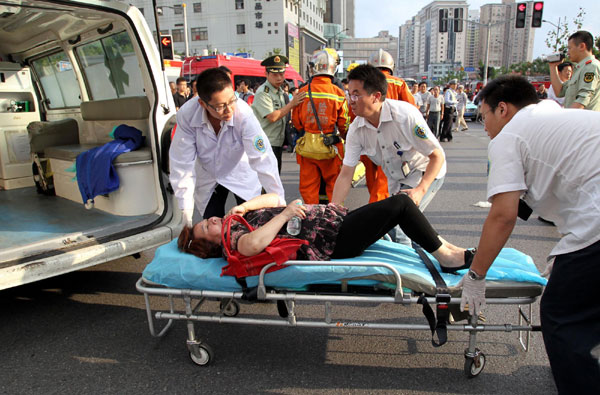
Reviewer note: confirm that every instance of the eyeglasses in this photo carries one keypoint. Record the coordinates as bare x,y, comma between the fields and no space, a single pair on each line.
354,98
220,108
483,116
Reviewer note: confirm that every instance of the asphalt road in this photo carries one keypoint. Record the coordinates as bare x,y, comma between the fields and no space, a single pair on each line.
86,332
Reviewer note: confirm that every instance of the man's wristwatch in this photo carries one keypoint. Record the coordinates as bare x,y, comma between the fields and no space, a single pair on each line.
474,276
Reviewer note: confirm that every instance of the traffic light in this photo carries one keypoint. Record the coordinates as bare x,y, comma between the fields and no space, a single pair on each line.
536,17
166,46
443,23
521,13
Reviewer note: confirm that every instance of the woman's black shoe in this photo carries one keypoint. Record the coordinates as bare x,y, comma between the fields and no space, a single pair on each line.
469,254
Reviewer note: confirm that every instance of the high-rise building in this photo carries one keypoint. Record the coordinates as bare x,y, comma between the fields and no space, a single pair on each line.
358,50
409,36
425,52
508,45
472,46
258,27
340,12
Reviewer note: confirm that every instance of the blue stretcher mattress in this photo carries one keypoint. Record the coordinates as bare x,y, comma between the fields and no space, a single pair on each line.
512,274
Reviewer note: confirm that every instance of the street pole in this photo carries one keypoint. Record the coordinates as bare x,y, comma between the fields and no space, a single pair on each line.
185,31
487,55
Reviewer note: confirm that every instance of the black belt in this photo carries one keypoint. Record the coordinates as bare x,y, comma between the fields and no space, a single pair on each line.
442,299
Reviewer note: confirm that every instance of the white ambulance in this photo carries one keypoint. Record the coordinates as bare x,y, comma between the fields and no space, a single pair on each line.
70,72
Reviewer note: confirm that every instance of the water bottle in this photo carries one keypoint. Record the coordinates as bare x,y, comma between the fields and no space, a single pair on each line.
294,224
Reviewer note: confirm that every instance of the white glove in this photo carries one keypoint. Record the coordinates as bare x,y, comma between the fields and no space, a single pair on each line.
549,267
473,294
186,216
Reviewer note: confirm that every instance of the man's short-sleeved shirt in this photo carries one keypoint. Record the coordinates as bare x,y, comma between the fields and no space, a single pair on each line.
584,85
402,136
435,103
551,154
266,100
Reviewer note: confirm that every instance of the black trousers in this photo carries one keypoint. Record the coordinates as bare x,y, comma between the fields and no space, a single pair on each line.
570,317
446,132
216,204
278,151
365,225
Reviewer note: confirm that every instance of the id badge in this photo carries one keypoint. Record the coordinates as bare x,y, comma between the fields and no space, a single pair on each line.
405,169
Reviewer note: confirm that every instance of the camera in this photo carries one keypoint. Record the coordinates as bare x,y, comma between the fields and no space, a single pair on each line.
331,139
553,57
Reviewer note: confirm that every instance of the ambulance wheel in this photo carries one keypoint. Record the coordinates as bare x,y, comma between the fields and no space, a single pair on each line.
202,356
231,310
474,365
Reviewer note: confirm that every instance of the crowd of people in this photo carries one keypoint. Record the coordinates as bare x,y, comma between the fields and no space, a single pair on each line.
539,156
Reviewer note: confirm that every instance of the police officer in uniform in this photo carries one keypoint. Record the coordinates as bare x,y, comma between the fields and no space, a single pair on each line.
450,102
583,89
269,104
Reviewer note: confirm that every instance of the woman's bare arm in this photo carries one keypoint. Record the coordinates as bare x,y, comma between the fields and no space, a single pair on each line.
262,201
255,242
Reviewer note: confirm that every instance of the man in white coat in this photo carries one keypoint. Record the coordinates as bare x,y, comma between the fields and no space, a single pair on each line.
219,147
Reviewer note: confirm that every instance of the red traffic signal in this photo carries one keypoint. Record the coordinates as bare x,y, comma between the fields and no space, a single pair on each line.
521,15
536,17
166,47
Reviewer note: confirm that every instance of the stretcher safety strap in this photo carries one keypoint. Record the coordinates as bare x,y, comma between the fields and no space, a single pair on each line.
442,298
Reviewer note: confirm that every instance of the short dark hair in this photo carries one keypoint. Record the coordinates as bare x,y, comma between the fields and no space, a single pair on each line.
564,65
345,81
226,69
180,79
582,36
246,82
512,89
422,83
211,81
373,79
293,89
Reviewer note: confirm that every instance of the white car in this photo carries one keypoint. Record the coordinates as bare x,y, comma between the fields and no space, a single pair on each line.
71,72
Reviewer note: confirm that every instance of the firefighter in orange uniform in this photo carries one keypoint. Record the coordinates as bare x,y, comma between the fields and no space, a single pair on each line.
315,158
397,90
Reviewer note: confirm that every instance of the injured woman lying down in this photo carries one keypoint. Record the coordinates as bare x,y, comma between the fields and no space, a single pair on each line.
332,231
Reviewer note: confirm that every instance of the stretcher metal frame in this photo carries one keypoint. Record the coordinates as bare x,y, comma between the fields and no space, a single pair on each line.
201,353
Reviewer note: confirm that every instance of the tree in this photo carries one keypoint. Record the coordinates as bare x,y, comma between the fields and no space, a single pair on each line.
556,40
491,71
275,51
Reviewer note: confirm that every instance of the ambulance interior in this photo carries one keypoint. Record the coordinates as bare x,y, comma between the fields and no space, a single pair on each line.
70,74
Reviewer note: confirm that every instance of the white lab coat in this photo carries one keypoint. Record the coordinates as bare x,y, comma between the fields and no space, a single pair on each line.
240,157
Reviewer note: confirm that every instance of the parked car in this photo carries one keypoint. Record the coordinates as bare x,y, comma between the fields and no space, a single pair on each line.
471,111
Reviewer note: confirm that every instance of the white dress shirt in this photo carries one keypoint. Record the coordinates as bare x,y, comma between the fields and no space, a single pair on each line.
402,136
240,157
551,154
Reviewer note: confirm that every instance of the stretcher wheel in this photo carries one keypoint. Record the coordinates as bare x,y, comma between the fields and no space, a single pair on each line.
229,310
474,365
201,355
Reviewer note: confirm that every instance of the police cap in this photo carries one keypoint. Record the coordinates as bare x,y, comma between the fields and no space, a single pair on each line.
453,81
275,63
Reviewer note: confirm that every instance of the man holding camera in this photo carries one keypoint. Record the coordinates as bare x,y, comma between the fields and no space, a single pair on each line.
583,89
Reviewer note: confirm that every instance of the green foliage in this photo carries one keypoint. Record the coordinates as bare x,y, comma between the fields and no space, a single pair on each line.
491,71
275,51
557,39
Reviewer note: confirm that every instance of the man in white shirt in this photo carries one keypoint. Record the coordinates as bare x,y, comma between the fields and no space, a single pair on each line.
394,135
450,103
219,147
422,95
550,157
565,71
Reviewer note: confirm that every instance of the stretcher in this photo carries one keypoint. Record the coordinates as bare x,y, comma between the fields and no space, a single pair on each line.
385,273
